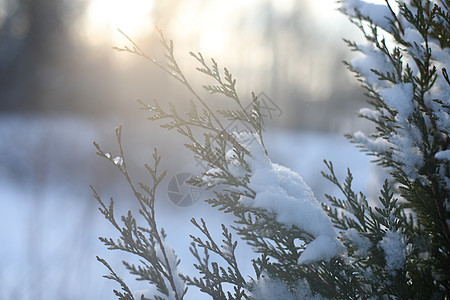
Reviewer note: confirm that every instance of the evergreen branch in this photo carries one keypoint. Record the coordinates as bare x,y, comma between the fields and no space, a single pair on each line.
132,239
113,276
325,283
395,17
226,252
444,73
175,71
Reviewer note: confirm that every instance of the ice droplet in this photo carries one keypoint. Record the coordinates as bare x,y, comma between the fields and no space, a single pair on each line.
118,160
108,155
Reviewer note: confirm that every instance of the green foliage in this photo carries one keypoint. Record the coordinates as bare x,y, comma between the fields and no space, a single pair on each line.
145,242
397,246
214,275
370,225
423,187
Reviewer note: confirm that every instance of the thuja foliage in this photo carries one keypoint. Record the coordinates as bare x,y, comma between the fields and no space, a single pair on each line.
396,246
409,92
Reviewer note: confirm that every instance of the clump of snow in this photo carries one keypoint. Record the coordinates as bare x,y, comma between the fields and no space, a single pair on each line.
266,288
322,248
406,150
152,291
394,249
375,145
441,89
361,243
370,113
400,98
417,46
270,288
379,14
364,64
283,193
413,37
443,155
149,293
173,262
227,250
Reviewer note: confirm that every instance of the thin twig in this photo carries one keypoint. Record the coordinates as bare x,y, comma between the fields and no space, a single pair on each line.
395,17
181,78
151,217
444,73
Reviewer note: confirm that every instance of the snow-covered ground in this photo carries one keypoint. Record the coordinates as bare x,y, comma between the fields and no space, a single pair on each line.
49,221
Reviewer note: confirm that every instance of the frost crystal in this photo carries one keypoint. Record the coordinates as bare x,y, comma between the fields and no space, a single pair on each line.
118,160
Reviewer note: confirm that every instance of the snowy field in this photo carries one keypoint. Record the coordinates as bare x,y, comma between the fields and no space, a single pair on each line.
50,223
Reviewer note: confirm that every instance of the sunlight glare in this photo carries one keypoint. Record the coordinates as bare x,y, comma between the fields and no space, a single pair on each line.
103,17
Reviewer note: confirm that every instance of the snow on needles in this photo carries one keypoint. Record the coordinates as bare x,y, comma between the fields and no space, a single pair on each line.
379,14
283,193
394,249
173,262
266,288
443,155
400,97
152,292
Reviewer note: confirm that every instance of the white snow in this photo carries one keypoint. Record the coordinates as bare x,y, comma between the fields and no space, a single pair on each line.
441,89
283,192
379,14
149,293
266,288
406,142
361,242
394,250
67,240
375,145
443,155
323,248
370,113
400,98
173,260
413,37
364,64
406,150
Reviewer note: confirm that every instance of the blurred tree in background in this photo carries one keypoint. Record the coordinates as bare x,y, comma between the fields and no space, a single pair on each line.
35,39
52,59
